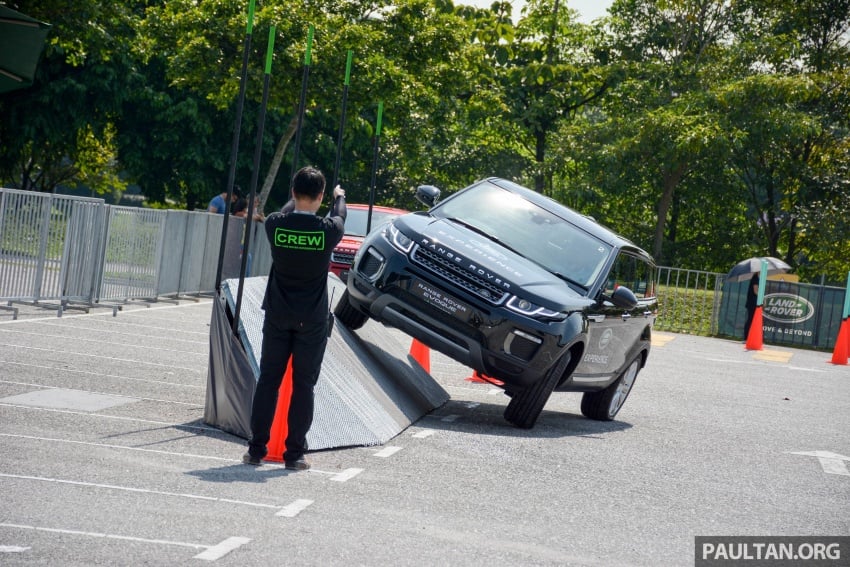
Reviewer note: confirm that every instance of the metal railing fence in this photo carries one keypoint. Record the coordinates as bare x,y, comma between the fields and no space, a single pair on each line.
689,300
78,251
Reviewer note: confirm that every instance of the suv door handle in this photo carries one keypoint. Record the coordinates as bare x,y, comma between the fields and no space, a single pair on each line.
596,318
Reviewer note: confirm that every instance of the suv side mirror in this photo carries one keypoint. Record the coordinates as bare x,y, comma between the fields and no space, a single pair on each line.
428,195
624,297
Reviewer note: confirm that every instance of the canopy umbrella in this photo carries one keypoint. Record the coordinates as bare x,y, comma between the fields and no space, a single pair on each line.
21,43
745,269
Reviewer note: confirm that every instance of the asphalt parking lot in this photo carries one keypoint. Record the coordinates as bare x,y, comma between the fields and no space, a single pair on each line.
107,460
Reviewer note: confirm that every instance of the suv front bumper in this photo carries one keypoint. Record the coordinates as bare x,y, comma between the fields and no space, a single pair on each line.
491,339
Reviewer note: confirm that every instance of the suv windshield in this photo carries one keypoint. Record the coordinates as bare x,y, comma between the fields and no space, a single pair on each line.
529,230
355,220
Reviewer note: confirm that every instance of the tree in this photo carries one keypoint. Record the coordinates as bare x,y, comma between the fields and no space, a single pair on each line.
48,130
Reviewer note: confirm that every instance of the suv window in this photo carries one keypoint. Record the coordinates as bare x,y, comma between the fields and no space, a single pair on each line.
634,273
530,230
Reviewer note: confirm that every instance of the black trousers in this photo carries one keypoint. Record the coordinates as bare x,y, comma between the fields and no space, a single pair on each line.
305,342
751,312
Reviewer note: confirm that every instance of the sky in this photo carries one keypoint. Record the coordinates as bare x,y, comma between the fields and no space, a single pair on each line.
589,9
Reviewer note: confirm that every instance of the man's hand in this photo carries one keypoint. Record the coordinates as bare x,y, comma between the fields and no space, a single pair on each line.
339,192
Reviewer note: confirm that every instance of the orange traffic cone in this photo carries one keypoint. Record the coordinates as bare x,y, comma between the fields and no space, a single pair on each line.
277,438
481,378
476,377
842,343
421,354
755,340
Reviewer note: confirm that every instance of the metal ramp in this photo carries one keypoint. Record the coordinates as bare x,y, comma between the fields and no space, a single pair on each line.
369,390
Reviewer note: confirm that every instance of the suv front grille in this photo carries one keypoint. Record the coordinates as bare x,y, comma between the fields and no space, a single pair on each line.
458,276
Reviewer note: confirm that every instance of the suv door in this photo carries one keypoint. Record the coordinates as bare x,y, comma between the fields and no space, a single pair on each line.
614,331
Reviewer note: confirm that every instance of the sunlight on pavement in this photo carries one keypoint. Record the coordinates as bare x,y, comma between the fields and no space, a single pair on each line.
773,355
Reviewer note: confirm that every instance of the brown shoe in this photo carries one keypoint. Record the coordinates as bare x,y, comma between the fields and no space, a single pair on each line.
301,464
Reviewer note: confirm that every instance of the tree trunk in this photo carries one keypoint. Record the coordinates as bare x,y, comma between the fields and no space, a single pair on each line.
274,166
540,157
670,181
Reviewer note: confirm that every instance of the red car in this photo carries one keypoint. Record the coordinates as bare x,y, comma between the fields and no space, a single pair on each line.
355,231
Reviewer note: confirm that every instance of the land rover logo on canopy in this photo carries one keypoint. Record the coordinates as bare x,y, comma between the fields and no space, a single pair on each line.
787,308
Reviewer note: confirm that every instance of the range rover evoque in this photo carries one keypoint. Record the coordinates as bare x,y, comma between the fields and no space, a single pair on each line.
531,294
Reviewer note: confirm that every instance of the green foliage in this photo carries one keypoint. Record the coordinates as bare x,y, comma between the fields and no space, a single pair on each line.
706,131
685,309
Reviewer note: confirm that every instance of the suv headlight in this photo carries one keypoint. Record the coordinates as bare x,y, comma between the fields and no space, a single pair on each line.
398,239
533,310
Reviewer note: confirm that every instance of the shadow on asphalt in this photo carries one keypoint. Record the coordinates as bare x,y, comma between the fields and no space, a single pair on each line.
488,419
242,473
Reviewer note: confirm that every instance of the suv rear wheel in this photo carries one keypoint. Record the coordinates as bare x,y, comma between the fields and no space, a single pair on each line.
605,405
526,405
349,315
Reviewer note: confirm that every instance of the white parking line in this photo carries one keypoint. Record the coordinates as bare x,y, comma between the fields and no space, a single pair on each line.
100,375
346,475
424,433
135,398
136,336
292,510
100,343
120,418
140,490
387,452
210,553
222,549
13,549
54,352
124,447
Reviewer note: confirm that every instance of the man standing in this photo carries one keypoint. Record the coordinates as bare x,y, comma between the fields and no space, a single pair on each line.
218,204
751,304
296,319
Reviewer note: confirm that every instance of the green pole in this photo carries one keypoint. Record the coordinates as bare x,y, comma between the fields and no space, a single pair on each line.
348,67
299,120
250,27
374,167
270,51
255,173
234,146
762,283
309,45
342,118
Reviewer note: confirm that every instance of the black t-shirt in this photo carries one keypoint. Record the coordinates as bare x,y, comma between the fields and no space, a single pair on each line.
301,246
752,293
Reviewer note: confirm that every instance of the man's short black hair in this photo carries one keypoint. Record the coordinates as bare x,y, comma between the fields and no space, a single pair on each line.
308,182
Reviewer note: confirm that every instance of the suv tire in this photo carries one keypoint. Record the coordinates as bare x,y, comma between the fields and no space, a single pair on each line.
527,405
349,315
604,405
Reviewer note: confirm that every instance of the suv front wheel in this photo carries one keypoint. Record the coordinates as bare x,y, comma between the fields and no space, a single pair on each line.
526,405
605,405
349,315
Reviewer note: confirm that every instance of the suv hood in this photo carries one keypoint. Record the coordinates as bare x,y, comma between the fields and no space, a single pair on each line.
490,261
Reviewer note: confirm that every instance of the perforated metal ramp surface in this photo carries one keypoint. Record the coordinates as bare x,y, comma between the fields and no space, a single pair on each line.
369,389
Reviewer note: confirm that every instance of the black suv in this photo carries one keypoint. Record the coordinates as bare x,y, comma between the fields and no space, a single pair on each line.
529,293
